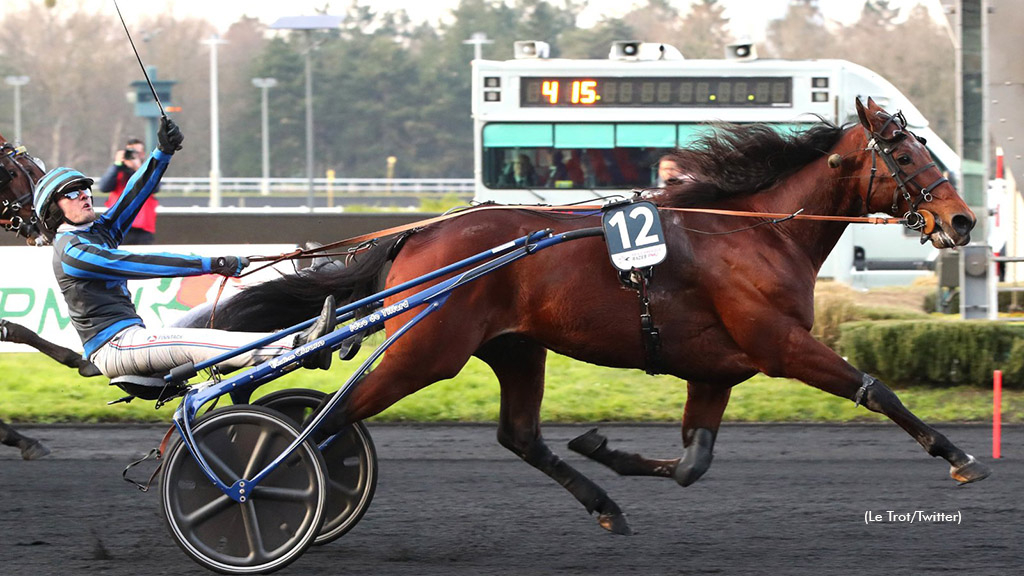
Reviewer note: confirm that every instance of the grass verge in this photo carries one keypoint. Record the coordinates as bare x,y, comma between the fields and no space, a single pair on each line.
36,389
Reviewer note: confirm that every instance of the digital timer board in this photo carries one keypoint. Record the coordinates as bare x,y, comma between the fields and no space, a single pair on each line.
680,92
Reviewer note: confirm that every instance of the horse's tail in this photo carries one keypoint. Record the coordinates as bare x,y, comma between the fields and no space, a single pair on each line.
288,300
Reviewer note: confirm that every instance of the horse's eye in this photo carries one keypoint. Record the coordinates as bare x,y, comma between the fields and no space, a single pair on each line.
903,159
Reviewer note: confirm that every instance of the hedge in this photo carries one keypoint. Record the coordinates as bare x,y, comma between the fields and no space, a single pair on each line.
935,352
1007,301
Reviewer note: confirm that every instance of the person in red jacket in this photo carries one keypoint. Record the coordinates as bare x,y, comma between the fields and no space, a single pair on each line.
126,162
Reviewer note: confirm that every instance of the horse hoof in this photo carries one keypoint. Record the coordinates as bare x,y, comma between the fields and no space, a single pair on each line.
88,370
972,471
615,523
34,451
588,443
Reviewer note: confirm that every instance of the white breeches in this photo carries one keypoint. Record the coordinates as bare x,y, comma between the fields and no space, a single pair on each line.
140,351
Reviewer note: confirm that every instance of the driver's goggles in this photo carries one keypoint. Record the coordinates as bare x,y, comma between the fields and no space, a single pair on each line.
75,194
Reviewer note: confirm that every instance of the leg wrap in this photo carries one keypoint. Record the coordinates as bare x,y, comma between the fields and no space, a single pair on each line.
697,458
868,381
9,436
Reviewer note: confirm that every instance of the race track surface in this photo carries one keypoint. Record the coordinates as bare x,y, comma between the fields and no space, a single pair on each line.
779,499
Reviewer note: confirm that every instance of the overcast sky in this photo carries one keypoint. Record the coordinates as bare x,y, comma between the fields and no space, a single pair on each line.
749,17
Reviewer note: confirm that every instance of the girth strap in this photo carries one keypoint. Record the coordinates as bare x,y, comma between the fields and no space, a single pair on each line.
650,336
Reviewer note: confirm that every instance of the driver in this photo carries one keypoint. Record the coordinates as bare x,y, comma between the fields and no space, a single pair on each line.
92,273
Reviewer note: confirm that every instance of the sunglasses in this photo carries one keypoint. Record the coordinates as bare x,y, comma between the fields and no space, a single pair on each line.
75,194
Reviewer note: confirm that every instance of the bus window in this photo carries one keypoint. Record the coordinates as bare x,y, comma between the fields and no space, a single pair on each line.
601,156
571,168
574,156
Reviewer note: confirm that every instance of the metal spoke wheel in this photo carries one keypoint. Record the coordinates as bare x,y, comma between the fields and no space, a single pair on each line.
280,518
351,462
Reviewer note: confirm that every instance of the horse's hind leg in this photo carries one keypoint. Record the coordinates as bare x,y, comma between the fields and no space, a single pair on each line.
18,334
519,365
31,449
705,405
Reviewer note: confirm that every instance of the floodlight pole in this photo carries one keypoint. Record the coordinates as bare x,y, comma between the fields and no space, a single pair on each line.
310,195
213,42
308,24
264,84
17,82
478,39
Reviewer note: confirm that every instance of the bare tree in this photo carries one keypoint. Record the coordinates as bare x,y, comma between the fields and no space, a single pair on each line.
801,33
74,65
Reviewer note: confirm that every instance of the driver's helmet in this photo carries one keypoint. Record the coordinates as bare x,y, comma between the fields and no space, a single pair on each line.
49,189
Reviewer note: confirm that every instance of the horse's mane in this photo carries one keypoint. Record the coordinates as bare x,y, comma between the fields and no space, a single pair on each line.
736,160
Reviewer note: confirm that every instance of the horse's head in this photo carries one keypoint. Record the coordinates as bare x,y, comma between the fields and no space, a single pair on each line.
19,172
917,191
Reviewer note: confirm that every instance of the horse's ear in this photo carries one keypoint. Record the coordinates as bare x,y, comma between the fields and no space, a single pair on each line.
862,113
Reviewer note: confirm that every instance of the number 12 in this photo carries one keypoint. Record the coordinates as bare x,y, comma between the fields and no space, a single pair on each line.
643,238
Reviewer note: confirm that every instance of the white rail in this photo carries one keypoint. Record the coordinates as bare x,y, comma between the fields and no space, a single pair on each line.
289,186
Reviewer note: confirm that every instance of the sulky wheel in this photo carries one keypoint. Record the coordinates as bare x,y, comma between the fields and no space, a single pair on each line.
351,463
279,519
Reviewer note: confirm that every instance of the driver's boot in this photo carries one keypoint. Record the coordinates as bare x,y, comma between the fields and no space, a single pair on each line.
324,325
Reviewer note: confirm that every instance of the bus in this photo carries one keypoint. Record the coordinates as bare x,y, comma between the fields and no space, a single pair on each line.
561,131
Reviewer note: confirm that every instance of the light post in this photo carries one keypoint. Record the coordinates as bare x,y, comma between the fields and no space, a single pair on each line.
478,39
308,24
264,84
17,82
213,41
392,160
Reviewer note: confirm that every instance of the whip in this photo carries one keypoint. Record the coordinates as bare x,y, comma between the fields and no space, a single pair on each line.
141,65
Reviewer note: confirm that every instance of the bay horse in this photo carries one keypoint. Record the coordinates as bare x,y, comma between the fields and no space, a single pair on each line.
731,299
19,172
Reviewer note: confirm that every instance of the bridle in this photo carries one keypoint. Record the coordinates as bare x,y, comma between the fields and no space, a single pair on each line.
884,147
10,167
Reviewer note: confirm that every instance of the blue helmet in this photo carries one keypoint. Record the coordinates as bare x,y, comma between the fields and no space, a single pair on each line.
48,191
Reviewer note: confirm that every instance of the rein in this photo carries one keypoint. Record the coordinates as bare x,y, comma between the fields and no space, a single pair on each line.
364,241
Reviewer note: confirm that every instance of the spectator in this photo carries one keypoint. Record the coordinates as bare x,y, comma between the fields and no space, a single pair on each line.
519,173
126,162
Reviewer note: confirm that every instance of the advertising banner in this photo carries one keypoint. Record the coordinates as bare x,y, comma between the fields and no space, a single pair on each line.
29,294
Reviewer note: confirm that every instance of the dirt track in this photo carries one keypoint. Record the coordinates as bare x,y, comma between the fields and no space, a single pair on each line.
782,499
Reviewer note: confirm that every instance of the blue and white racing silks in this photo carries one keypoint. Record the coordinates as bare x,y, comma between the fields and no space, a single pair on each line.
92,272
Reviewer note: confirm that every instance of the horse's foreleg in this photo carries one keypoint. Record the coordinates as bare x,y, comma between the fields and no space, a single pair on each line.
702,416
877,397
817,365
519,366
31,449
18,334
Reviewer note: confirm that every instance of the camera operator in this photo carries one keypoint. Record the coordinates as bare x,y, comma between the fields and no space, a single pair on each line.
126,162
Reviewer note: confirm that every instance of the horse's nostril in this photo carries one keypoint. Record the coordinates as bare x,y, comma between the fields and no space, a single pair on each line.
963,224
